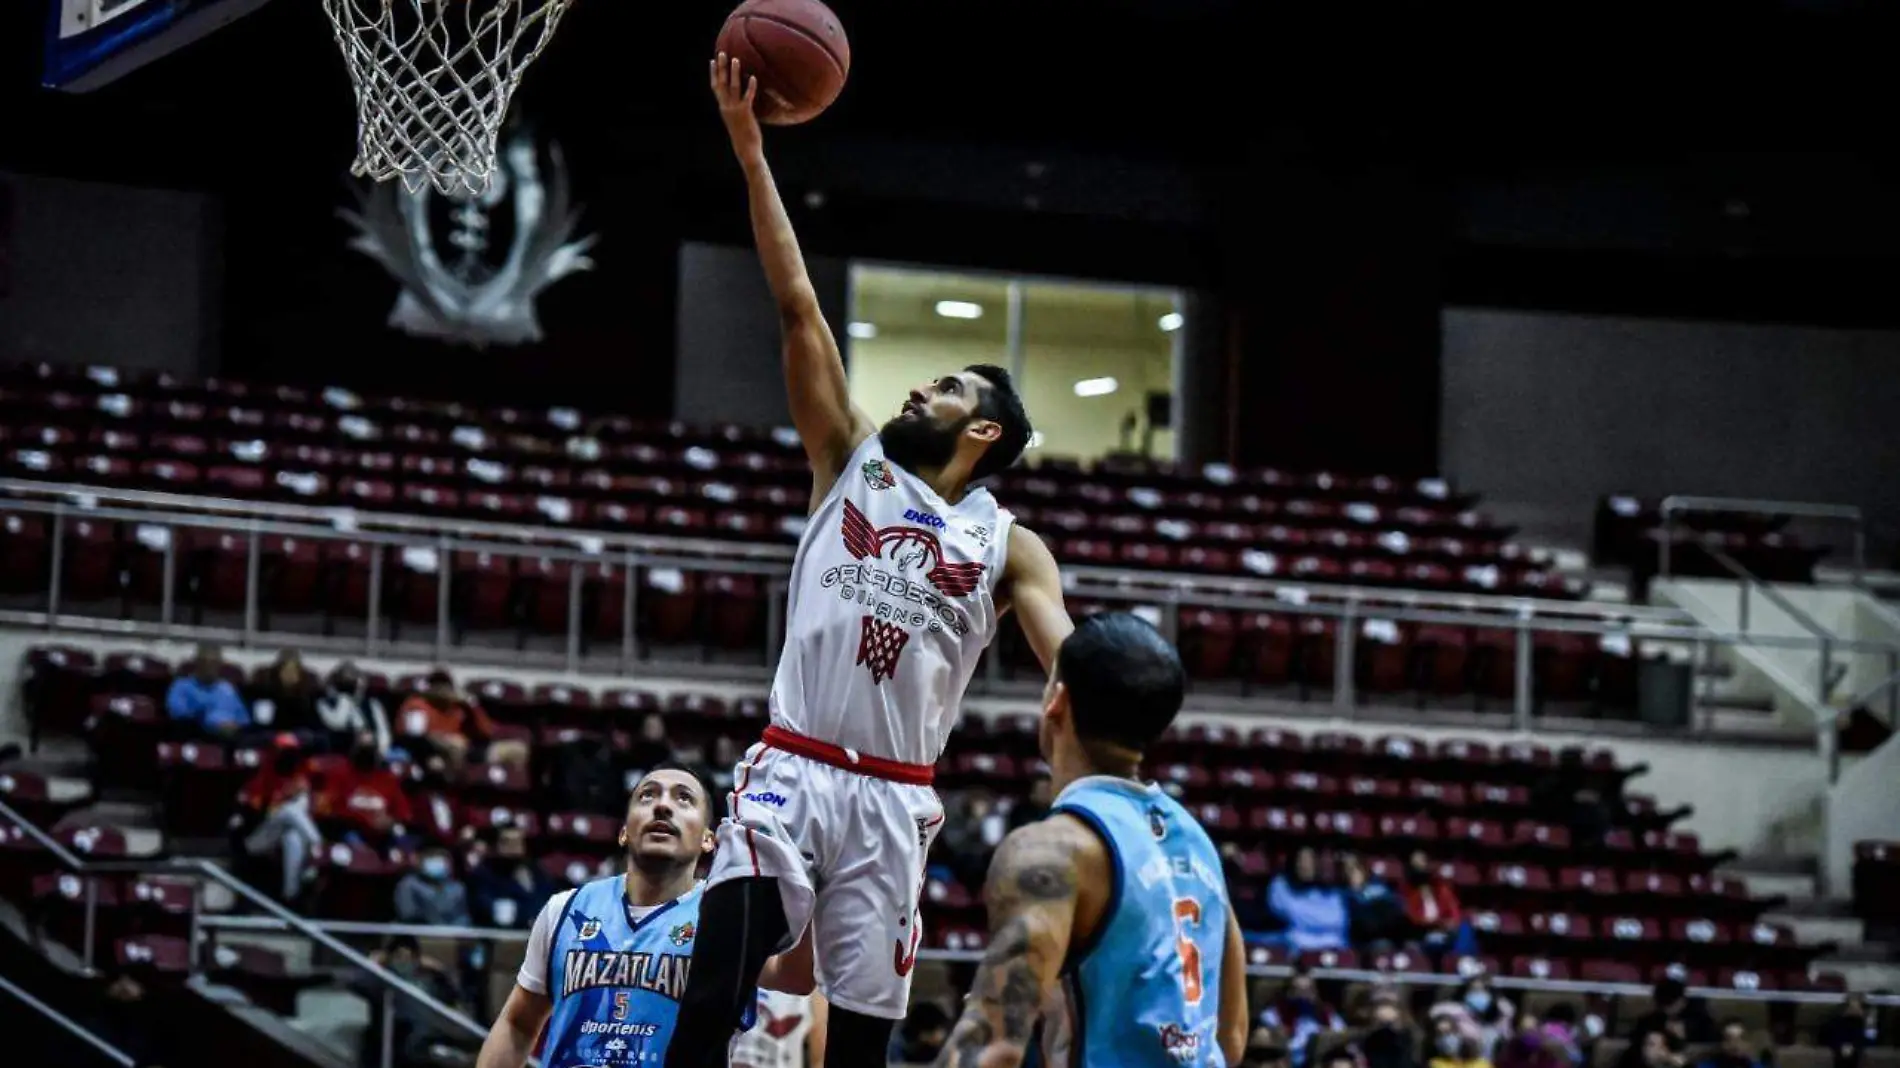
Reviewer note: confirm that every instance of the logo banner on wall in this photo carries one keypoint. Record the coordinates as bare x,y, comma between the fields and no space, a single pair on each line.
472,266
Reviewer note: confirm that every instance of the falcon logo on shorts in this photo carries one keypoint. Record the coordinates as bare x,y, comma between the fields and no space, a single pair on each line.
877,475
682,934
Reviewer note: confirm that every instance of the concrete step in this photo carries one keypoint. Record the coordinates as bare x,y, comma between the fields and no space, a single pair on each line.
1870,952
1814,930
1794,878
1861,975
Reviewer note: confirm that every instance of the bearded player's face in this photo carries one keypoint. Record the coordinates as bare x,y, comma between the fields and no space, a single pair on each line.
927,427
667,819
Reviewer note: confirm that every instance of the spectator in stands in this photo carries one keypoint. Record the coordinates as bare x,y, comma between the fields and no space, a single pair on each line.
284,698
1301,1016
1685,1020
1376,915
725,758
1390,1041
508,889
366,801
1313,910
1034,807
1848,1033
1432,906
1567,797
1266,1048
431,895
348,715
1339,1054
275,817
1489,1012
452,725
970,837
1654,1048
921,1037
416,1030
650,748
206,700
1454,1045
1530,1046
1736,1050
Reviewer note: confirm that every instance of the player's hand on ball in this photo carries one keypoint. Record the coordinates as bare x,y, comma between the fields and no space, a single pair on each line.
736,94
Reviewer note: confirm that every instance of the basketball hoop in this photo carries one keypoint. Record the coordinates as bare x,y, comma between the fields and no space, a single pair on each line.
433,81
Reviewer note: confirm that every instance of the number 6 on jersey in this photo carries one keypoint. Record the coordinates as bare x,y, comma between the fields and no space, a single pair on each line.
1187,913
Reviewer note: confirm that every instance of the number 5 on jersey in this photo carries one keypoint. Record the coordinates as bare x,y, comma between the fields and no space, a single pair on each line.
1187,913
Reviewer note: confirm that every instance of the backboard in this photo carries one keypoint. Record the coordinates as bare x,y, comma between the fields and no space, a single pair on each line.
91,43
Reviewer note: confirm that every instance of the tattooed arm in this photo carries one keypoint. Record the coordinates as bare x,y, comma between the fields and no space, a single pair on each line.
1047,881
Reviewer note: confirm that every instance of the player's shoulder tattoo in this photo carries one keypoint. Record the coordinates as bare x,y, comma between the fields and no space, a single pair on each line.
1035,864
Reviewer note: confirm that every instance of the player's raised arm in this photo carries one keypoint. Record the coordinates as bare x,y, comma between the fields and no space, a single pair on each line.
1031,896
814,369
1035,595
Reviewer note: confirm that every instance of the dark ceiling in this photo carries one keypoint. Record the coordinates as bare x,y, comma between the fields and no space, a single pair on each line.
1743,130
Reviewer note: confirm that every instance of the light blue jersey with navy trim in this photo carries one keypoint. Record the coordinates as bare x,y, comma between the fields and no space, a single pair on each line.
616,982
1145,989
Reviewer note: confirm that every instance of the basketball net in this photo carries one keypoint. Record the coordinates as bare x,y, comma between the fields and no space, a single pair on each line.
433,81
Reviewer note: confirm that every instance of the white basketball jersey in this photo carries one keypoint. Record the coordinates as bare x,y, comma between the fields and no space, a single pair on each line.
778,1039
892,601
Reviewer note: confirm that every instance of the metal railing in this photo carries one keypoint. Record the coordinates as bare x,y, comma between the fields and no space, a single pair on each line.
265,925
1825,675
66,1024
1682,504
1351,609
393,986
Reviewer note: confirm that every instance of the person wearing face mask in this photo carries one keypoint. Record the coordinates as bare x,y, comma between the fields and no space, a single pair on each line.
507,889
431,895
1453,1047
417,1033
1301,1016
1488,1012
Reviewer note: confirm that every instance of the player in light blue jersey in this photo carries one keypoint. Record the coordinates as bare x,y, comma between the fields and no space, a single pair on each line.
1113,907
607,962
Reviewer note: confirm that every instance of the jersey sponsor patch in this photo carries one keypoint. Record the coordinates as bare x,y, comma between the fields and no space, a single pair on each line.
766,797
1180,1043
924,519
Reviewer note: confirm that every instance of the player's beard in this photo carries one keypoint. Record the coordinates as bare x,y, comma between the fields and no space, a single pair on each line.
914,443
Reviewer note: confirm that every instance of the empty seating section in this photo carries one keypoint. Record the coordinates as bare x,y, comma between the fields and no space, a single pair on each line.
567,469
1629,532
1546,897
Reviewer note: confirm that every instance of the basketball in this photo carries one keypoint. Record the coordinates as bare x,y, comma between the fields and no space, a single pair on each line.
798,51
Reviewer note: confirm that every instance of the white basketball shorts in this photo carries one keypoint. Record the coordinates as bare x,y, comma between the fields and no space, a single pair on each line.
846,838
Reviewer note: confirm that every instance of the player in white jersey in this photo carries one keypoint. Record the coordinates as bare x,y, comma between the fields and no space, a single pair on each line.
900,580
790,1033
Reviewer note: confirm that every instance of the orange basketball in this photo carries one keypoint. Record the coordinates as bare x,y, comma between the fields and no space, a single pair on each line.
798,51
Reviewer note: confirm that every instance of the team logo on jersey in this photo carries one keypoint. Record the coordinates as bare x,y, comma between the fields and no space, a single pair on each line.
589,929
879,644
682,934
909,548
1180,1043
1157,822
877,475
